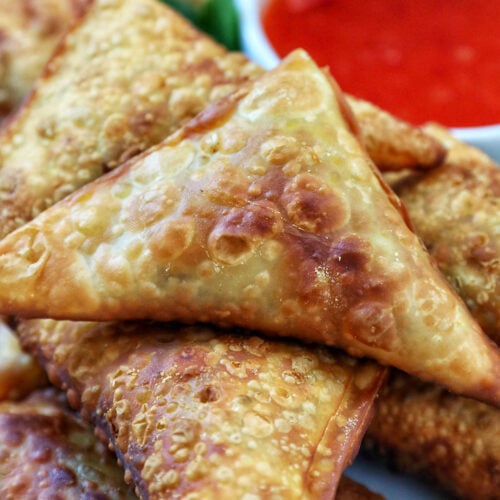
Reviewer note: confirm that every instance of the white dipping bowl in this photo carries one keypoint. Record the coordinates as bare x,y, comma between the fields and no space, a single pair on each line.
257,47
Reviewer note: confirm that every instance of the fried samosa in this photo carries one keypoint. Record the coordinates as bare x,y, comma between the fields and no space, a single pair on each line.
192,412
30,32
421,428
456,211
264,212
46,451
124,78
394,144
19,373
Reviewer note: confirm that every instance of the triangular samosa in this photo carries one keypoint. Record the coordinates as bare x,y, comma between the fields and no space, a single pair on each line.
193,410
46,451
126,76
263,212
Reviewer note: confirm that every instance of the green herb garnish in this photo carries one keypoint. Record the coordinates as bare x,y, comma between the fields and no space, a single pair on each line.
218,18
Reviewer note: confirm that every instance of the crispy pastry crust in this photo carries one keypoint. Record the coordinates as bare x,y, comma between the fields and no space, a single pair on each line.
263,212
29,32
456,211
423,429
46,451
125,77
394,144
212,416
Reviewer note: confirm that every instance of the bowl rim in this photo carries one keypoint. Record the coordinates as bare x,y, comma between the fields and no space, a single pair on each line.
257,46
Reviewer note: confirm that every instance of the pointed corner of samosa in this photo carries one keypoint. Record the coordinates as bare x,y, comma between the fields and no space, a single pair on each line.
23,257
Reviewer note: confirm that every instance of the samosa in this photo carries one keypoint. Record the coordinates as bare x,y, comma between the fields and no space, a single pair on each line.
202,413
264,212
46,451
394,144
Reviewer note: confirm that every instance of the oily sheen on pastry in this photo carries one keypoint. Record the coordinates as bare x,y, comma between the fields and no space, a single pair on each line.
199,413
263,212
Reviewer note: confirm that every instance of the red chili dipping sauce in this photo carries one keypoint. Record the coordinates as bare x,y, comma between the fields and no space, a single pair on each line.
421,60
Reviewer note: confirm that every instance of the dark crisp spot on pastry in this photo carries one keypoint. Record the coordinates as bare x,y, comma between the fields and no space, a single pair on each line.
42,455
484,254
349,255
208,394
237,234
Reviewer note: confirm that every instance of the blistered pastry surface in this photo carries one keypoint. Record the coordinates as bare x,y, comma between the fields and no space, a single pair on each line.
264,212
196,413
394,144
127,76
421,428
30,32
456,210
47,452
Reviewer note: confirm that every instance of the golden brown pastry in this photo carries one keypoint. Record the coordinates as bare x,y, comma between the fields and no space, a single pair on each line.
221,416
125,77
19,373
421,428
30,30
394,144
456,211
46,451
264,212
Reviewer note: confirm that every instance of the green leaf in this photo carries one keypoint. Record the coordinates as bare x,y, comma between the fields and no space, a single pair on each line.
187,9
218,18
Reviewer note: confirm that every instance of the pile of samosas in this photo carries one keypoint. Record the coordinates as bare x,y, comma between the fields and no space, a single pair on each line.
208,260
